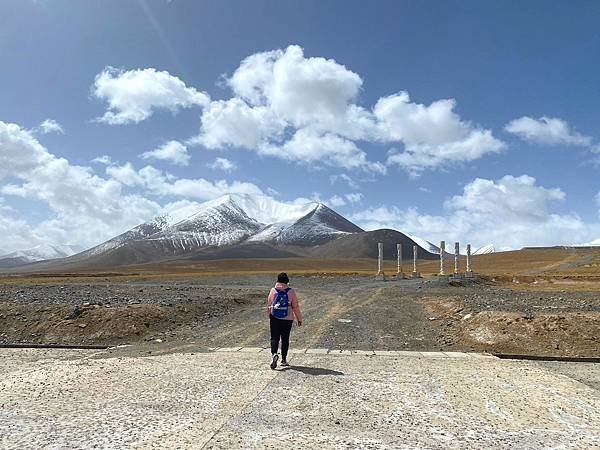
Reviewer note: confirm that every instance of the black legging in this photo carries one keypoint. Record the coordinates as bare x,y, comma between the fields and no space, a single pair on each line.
280,328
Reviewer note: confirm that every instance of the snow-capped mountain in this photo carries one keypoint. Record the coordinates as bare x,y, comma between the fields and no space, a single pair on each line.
229,220
244,226
486,249
40,252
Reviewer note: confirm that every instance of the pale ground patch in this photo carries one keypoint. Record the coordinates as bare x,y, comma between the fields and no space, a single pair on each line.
231,399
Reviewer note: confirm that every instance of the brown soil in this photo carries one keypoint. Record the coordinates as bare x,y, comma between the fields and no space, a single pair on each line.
93,324
567,334
344,312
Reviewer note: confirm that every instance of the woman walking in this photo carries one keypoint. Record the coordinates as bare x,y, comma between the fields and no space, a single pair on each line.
282,307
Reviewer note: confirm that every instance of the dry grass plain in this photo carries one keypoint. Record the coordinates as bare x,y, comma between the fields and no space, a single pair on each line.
546,268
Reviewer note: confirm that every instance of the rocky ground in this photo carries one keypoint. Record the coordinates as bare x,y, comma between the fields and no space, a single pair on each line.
341,312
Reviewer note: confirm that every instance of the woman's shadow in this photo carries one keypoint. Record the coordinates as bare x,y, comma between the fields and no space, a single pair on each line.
314,371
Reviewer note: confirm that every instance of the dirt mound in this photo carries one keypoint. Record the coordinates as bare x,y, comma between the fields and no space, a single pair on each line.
545,334
93,324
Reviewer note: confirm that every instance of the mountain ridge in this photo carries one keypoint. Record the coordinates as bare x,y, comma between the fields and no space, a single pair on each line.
239,225
40,252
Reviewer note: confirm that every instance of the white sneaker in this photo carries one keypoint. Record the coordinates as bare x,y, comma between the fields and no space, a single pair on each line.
274,359
284,363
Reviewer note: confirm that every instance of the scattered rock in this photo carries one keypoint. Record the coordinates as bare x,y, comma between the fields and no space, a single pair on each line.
75,314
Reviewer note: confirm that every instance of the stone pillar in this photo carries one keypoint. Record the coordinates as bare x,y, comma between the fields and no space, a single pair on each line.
380,274
399,273
469,272
415,273
456,257
442,251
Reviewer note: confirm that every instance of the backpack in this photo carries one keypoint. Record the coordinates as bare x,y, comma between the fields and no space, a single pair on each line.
281,304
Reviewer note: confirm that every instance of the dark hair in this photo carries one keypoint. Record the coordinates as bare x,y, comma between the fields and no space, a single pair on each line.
283,278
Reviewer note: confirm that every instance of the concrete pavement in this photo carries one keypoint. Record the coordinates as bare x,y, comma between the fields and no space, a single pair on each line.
229,398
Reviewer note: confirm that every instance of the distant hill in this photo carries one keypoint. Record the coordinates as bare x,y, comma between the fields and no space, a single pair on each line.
364,245
38,253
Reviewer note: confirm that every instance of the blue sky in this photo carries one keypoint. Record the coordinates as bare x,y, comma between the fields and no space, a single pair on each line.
461,120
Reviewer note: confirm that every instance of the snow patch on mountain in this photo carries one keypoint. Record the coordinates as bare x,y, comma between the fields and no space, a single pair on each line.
231,219
485,250
423,243
42,252
267,210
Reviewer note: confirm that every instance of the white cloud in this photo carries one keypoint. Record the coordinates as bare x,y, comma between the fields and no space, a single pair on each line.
345,178
171,151
85,208
355,197
546,130
254,75
133,95
104,159
233,123
18,234
314,198
308,146
300,90
20,152
50,126
336,201
512,199
162,184
125,174
310,99
433,136
305,110
222,164
511,212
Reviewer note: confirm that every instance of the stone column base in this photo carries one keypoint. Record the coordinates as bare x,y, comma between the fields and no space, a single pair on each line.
416,274
380,276
469,274
400,276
